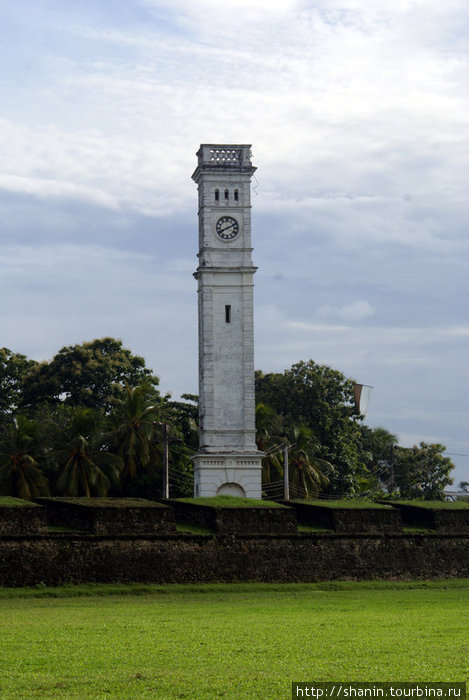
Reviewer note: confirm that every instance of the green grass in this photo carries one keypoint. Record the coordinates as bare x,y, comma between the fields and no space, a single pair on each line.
232,641
62,528
314,529
193,529
436,505
10,502
230,502
103,502
344,503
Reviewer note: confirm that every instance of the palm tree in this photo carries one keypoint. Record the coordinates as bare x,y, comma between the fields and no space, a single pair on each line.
270,438
84,468
308,472
134,429
20,474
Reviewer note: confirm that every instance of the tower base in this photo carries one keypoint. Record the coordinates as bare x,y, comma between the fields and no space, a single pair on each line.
228,474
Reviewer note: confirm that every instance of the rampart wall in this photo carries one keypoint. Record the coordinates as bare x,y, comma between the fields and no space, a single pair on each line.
59,558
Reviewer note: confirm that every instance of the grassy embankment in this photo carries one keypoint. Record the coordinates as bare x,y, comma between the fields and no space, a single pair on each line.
232,641
230,502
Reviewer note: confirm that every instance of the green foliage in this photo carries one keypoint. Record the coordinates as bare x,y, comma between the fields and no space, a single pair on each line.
377,445
183,434
133,428
309,473
422,471
270,439
233,641
96,403
80,464
311,408
20,448
93,374
100,414
13,368
322,400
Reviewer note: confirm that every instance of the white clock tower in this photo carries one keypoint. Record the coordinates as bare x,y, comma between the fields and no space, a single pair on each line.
228,461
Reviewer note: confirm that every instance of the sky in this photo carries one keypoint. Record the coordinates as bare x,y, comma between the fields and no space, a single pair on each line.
357,112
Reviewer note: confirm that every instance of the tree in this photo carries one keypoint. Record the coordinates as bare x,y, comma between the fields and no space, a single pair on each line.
378,446
20,474
81,465
183,441
309,474
134,428
321,399
93,374
423,471
270,439
13,367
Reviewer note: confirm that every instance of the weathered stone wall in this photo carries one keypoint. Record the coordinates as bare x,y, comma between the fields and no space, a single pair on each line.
109,516
441,519
22,520
57,559
348,520
256,520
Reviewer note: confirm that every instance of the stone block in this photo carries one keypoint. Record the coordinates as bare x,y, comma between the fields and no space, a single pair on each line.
258,520
22,518
442,519
371,520
110,516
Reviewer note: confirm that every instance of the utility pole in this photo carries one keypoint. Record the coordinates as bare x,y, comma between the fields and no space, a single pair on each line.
165,462
286,481
392,468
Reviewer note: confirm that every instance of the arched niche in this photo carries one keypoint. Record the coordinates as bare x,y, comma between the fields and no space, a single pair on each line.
231,489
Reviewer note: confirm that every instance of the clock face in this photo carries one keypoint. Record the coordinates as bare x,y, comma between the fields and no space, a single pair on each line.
227,228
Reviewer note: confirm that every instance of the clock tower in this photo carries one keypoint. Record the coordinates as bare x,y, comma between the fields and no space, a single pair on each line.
228,461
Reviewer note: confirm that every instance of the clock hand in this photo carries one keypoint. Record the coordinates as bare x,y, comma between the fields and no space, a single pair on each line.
226,227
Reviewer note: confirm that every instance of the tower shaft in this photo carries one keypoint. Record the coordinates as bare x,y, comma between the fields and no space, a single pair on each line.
228,460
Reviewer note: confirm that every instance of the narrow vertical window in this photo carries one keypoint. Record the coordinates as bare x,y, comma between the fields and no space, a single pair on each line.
226,195
236,196
217,195
228,313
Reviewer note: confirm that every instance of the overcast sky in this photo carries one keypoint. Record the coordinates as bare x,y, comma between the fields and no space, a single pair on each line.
357,112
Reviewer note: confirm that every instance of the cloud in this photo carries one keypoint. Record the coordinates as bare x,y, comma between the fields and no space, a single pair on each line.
349,110
232,13
42,187
354,311
357,113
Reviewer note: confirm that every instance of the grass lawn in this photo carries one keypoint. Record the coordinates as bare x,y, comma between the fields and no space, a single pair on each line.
230,502
10,502
345,503
435,505
232,641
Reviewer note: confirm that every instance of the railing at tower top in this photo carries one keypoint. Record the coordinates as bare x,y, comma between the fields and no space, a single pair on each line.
226,156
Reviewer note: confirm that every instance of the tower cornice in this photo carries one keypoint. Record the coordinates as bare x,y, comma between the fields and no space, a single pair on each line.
234,159
224,270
